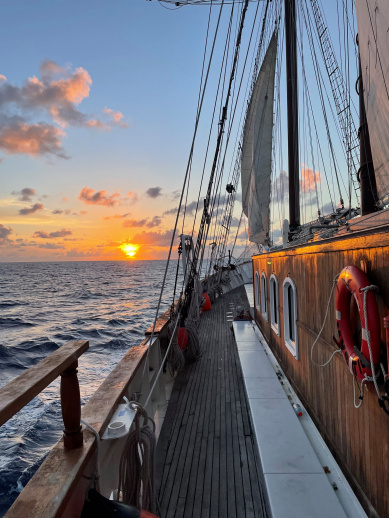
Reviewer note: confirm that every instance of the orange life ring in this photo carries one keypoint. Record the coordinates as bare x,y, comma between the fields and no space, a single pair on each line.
207,304
351,283
183,338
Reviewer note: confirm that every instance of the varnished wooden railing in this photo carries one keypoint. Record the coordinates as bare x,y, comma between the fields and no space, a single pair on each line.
59,479
20,391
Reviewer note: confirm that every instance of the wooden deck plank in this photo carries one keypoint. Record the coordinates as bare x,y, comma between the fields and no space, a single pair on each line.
206,463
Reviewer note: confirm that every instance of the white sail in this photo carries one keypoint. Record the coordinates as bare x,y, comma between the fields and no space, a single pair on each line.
257,149
373,25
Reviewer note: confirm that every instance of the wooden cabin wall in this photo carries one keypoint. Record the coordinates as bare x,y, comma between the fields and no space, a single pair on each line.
358,438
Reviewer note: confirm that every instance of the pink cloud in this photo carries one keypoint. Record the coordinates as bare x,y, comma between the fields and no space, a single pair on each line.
116,117
31,139
58,92
91,197
95,123
309,179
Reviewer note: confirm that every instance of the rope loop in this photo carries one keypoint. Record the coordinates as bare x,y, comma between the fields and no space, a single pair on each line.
137,464
175,357
322,327
371,287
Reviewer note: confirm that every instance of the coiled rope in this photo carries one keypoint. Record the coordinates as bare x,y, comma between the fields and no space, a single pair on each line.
194,349
175,357
136,469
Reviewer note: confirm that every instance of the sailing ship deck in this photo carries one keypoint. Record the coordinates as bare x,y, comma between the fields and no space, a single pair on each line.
206,460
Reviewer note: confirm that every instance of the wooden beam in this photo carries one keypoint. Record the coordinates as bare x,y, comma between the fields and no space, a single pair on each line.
20,391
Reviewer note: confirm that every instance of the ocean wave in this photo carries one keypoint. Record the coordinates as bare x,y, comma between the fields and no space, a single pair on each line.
6,322
111,304
11,303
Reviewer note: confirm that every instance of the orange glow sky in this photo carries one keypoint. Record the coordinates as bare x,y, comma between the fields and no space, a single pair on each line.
97,113
95,131
92,155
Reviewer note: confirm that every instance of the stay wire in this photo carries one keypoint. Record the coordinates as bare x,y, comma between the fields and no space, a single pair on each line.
181,197
209,138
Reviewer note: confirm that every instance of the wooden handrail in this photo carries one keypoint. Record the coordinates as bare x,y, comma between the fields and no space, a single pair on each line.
20,391
48,492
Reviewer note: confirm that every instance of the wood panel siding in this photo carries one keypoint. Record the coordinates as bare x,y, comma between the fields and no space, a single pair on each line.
358,438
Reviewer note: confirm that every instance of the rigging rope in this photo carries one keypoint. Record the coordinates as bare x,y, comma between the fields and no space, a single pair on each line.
322,327
205,215
183,190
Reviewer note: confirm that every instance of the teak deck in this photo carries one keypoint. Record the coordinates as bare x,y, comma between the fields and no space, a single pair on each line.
206,461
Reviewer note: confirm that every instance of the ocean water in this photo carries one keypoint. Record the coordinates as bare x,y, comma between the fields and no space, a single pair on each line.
45,305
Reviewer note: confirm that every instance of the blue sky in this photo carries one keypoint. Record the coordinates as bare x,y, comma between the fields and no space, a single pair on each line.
144,63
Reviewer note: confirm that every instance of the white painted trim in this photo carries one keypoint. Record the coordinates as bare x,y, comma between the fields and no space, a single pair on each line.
292,345
265,311
274,326
257,291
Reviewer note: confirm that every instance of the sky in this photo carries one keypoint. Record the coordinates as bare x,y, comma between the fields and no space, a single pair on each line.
97,108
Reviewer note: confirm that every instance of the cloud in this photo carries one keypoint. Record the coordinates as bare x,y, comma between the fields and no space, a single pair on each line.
190,209
154,192
56,94
154,222
4,235
18,137
60,211
118,216
58,233
132,197
25,194
281,187
115,117
134,223
309,179
153,238
35,208
50,246
74,252
91,197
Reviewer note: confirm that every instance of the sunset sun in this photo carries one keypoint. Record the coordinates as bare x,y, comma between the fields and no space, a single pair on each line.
129,250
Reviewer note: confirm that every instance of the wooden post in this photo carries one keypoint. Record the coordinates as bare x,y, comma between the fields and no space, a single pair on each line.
71,407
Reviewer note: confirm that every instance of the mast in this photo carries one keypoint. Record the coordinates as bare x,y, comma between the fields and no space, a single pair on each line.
292,103
367,179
